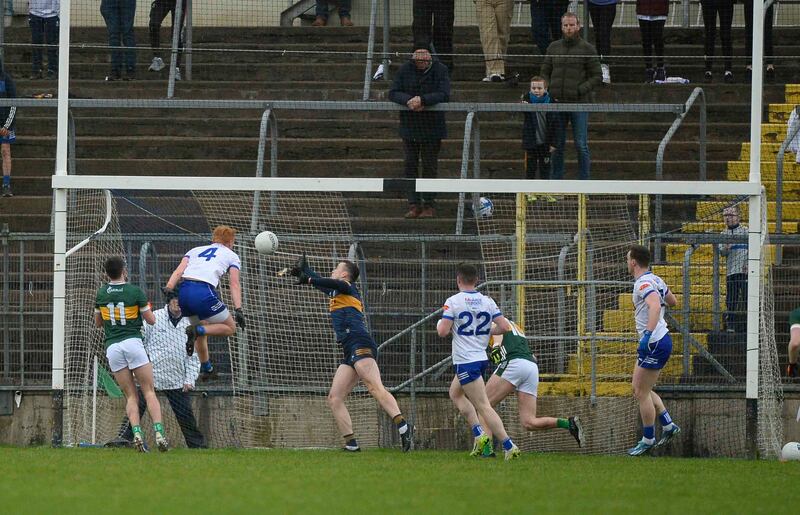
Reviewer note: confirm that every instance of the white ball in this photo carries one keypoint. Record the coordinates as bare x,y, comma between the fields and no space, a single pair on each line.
266,242
791,452
485,207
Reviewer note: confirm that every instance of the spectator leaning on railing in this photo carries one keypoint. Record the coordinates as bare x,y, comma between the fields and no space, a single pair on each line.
420,83
736,272
572,70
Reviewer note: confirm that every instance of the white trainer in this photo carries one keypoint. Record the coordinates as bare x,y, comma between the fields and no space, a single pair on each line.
156,65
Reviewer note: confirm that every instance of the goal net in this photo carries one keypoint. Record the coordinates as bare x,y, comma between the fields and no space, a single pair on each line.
555,264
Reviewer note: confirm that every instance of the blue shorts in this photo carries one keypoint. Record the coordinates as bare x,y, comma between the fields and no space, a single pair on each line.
658,355
11,137
356,348
468,372
198,300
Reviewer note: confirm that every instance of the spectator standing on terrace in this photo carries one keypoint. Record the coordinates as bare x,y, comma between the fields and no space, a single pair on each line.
43,21
432,27
494,23
546,21
769,51
119,15
421,83
7,130
652,15
603,13
158,11
724,9
735,273
572,71
322,13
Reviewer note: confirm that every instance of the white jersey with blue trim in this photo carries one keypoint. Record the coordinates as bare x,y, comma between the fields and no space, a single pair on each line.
210,262
646,284
472,314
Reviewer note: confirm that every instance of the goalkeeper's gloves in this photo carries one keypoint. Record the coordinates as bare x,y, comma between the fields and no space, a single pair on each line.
169,293
644,341
241,321
496,354
300,266
302,277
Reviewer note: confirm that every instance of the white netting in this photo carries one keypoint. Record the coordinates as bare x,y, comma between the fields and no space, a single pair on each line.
274,373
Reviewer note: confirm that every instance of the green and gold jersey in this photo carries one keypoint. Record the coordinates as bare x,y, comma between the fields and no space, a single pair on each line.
794,317
121,306
515,345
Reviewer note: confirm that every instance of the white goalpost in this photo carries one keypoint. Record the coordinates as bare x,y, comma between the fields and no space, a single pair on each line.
265,381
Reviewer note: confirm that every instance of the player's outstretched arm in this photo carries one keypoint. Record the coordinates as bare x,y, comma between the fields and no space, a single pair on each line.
501,325
236,288
177,274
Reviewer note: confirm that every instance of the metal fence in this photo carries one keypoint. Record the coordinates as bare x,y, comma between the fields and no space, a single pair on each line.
411,353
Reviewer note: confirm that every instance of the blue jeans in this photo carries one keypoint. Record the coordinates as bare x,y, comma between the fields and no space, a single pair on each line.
44,30
580,129
119,15
344,8
546,21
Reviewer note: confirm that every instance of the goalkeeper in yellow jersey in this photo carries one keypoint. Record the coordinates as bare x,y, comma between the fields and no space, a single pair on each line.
517,371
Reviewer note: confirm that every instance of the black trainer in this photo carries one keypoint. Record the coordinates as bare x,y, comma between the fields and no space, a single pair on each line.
576,430
792,371
7,190
191,336
407,437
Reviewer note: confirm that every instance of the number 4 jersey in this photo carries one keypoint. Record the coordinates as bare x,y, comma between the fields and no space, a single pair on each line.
472,314
121,305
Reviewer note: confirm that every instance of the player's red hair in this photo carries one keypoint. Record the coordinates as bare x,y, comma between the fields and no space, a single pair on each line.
223,234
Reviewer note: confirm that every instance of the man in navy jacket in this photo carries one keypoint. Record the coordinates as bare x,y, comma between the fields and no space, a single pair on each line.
419,84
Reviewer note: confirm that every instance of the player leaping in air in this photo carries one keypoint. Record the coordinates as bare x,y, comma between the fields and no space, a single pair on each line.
359,351
469,315
197,277
650,294
517,371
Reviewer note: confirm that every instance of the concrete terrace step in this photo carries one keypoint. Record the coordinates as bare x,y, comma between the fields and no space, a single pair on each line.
616,365
701,256
740,170
712,208
701,303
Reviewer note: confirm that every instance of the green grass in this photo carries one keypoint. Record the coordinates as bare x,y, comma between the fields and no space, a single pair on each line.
112,481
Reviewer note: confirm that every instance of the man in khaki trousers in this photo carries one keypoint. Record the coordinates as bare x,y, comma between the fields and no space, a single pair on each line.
494,22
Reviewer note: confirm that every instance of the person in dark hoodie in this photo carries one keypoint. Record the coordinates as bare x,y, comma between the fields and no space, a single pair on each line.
572,70
419,84
538,130
7,130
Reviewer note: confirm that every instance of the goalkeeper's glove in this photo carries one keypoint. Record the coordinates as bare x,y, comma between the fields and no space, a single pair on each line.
496,354
241,321
300,266
302,277
169,293
644,341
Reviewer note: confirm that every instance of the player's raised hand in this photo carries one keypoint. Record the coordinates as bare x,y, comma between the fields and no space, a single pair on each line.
241,321
302,277
300,266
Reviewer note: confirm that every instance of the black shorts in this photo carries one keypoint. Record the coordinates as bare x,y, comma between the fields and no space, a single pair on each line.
356,348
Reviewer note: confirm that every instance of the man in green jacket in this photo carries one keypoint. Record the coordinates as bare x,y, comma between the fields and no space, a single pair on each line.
572,69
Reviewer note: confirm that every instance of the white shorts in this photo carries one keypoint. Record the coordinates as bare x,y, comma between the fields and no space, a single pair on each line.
523,374
128,353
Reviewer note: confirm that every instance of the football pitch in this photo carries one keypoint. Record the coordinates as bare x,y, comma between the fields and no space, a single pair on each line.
115,481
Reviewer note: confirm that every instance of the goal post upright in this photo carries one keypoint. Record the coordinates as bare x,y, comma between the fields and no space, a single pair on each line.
60,224
755,230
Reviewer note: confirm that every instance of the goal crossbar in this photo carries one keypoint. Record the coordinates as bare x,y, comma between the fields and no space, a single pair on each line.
94,182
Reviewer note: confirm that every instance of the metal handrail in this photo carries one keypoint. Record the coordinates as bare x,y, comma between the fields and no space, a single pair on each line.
790,135
267,116
686,308
177,25
696,93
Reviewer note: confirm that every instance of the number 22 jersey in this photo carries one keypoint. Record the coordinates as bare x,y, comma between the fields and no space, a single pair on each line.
472,313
